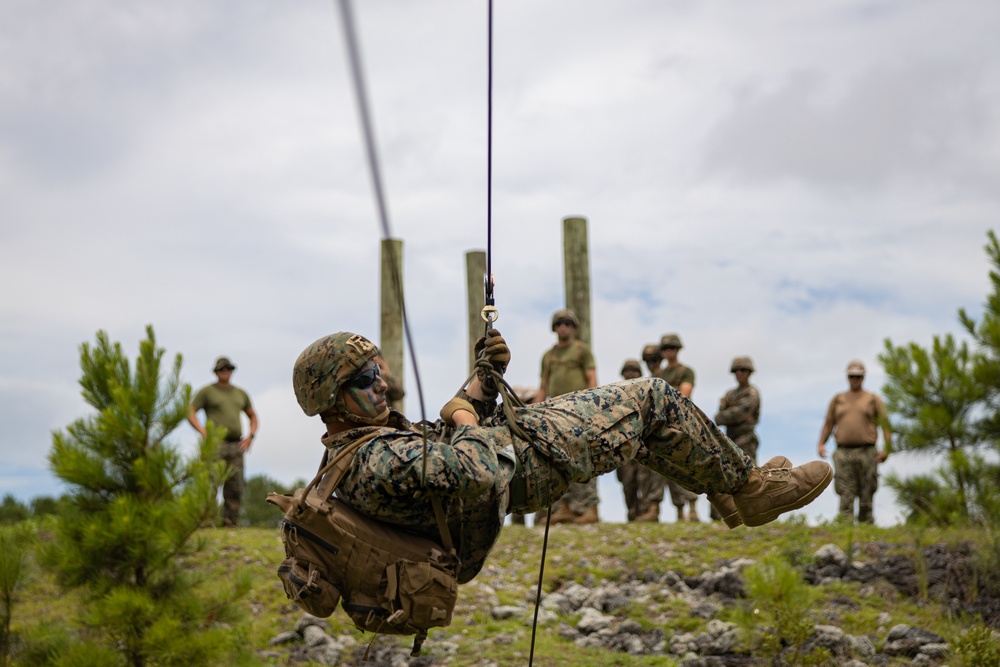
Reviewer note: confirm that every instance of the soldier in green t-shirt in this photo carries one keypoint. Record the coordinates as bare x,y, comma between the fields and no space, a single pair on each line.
569,366
223,402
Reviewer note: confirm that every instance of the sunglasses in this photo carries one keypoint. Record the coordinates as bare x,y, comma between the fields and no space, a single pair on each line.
365,379
855,377
670,347
569,322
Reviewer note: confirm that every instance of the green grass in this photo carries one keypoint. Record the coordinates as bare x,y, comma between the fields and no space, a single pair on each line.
587,554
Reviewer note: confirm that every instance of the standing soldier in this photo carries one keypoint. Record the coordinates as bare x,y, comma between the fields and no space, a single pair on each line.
653,357
854,417
681,378
633,472
739,409
223,402
569,366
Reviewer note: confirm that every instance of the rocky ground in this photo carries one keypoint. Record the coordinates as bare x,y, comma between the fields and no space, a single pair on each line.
592,614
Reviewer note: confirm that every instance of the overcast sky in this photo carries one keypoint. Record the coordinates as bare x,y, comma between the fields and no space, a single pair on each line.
793,181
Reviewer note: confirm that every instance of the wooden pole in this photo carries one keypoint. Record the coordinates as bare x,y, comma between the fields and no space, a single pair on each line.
576,268
475,269
391,320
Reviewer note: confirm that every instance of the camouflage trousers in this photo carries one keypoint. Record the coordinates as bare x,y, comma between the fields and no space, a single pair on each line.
749,443
577,436
642,487
581,497
856,477
232,488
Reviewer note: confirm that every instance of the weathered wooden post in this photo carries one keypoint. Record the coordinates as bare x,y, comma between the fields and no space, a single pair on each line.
576,269
391,320
475,269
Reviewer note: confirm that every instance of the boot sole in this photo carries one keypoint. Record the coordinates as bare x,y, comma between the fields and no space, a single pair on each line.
775,512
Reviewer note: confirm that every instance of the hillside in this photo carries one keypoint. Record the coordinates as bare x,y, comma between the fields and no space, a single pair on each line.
661,594
641,594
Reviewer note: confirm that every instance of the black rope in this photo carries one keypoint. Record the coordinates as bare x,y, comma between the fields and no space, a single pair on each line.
488,283
360,94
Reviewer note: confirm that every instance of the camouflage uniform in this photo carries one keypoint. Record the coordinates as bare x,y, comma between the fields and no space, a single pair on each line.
573,438
739,412
564,369
855,416
653,484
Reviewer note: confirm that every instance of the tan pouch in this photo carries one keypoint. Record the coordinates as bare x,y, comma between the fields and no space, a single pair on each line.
420,595
304,583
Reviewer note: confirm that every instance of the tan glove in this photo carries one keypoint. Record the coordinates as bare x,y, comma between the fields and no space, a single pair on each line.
453,406
493,348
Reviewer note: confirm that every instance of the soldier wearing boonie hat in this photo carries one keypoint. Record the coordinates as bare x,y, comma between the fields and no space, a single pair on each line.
854,417
223,402
482,467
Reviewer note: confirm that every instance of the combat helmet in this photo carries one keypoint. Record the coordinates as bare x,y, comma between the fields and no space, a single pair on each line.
565,314
671,340
741,364
631,365
325,365
651,353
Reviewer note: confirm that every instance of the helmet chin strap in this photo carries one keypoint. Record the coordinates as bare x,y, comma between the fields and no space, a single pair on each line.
378,420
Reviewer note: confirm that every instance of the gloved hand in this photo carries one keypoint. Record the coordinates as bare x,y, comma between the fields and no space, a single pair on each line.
493,348
453,406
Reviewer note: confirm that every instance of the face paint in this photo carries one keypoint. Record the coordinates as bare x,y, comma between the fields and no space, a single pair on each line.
366,401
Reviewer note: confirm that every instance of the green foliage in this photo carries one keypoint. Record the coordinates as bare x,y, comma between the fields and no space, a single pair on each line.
43,506
128,523
778,613
16,543
938,397
256,510
13,510
986,334
978,646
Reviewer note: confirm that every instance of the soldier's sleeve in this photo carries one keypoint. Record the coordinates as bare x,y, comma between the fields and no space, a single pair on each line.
466,467
738,410
588,359
198,402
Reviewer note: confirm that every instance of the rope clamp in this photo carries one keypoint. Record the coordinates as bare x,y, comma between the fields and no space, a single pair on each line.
490,314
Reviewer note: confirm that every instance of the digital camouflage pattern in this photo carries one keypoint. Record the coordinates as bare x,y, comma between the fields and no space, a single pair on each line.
739,412
572,438
325,365
856,477
654,484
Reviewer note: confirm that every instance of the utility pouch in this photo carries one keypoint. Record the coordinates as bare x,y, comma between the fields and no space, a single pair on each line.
305,585
420,595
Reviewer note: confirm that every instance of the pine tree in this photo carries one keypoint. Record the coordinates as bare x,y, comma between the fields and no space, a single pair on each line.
129,528
986,333
934,394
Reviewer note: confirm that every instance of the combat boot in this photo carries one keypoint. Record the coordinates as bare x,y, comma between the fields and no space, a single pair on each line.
770,492
651,515
692,514
589,516
723,502
562,514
